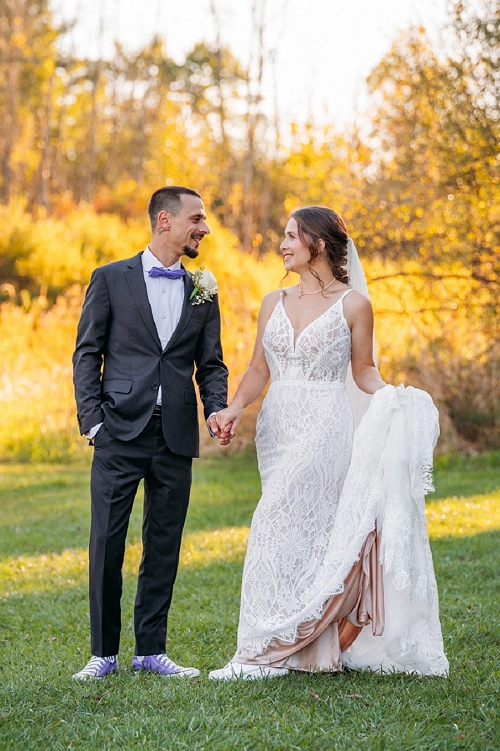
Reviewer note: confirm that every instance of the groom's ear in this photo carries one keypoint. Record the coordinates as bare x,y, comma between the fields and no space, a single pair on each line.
163,221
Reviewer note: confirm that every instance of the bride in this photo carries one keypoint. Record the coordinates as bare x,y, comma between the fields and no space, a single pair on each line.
338,568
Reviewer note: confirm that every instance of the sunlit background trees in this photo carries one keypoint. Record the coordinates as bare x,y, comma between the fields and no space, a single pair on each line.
83,142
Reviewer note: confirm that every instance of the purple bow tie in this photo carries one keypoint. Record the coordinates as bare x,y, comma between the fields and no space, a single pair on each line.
157,271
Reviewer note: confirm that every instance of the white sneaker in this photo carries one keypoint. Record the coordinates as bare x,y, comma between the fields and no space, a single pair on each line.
234,670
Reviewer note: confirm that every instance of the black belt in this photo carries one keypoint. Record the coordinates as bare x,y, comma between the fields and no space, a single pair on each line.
157,411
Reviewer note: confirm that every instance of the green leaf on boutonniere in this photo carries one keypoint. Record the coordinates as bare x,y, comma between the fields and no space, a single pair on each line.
193,293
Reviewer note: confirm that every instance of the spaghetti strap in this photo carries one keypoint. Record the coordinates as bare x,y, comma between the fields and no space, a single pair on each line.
346,293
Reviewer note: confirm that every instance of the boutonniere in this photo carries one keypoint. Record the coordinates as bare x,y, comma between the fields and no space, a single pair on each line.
205,286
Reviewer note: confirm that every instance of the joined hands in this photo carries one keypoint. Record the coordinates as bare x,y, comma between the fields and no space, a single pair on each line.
224,423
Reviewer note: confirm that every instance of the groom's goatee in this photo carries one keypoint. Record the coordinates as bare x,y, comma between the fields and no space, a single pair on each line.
191,252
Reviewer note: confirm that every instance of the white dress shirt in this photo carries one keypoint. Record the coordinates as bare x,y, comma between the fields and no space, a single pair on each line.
166,298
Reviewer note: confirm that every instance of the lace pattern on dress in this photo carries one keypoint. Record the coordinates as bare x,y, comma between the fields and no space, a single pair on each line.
304,437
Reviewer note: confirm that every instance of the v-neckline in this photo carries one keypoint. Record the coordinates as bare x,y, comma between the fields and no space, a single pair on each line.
294,342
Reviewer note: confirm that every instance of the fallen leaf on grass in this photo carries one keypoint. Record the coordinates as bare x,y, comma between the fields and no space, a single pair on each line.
318,698
353,696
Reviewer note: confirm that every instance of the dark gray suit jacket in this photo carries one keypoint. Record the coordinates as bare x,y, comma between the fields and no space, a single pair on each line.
119,363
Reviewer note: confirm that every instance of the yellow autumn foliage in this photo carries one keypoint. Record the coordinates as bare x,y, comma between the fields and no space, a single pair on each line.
427,334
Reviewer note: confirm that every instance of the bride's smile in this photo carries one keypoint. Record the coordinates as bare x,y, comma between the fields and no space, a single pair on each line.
296,255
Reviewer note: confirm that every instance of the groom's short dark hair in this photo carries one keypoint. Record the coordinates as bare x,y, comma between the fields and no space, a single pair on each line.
168,199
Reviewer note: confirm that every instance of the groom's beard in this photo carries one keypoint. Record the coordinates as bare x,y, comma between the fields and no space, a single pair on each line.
191,252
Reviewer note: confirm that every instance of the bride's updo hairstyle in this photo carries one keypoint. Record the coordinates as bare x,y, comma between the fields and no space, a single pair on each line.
317,223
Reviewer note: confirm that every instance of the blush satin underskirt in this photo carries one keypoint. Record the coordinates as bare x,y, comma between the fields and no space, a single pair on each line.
320,642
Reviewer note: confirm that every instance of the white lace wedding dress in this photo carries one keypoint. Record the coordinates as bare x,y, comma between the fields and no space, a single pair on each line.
304,438
304,548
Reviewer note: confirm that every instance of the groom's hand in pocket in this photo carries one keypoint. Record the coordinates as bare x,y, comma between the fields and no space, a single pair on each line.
92,433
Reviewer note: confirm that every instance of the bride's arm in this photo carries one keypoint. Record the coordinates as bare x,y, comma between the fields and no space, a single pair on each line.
255,377
359,315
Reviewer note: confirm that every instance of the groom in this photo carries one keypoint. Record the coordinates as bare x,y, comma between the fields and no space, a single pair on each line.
139,339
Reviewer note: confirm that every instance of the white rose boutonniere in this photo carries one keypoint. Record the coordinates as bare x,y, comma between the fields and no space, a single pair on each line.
205,286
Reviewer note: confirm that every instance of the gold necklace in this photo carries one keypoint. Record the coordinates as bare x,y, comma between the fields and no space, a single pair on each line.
302,294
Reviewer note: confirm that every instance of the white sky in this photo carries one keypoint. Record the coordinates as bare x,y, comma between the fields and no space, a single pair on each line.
324,48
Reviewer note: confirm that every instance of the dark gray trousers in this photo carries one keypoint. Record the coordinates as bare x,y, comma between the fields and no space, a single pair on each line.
117,469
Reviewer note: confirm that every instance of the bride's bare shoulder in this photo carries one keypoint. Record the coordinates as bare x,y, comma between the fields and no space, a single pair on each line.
356,306
270,300
269,303
275,295
356,300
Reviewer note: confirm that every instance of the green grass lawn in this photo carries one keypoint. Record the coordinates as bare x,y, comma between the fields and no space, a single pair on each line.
44,521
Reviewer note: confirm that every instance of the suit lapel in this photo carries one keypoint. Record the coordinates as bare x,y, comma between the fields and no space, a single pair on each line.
134,275
187,310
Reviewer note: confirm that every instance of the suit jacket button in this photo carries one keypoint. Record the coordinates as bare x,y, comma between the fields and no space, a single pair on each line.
163,358
155,387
